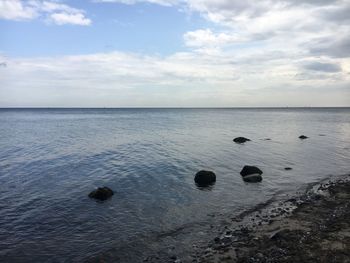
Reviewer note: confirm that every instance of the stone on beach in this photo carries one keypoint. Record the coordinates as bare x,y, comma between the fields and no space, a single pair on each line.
241,140
205,178
251,174
101,193
303,137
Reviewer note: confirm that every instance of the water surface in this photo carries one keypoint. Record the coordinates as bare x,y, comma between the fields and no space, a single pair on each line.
50,159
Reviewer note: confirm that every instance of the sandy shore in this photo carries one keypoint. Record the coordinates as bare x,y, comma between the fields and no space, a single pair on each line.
314,227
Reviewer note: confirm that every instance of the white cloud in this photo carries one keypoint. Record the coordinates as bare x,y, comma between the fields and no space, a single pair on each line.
15,10
57,13
74,19
131,2
247,78
281,24
206,37
260,53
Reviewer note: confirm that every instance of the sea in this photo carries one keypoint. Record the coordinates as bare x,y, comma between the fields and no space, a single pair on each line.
51,159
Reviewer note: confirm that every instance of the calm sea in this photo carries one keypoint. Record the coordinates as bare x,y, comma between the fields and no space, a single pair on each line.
50,159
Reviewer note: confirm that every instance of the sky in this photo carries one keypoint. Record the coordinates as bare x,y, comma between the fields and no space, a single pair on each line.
174,53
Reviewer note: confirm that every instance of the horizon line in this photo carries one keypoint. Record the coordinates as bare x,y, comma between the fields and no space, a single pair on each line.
178,107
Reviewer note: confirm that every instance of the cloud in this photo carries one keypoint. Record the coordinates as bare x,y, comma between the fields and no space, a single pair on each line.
338,13
323,67
205,37
282,24
74,19
335,46
15,10
182,79
131,2
251,53
56,13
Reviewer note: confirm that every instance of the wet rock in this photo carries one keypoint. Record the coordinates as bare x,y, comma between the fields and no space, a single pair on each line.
259,256
251,174
205,178
226,240
292,200
288,168
303,137
101,193
240,140
278,235
247,170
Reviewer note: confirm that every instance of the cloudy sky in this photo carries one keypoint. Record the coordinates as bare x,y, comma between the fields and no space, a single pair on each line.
154,53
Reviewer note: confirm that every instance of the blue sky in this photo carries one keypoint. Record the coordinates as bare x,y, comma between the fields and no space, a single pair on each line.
154,53
145,28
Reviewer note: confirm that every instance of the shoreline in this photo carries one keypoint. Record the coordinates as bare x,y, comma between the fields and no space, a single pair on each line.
278,230
313,227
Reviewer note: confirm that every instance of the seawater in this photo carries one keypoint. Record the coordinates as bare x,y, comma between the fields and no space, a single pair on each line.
50,159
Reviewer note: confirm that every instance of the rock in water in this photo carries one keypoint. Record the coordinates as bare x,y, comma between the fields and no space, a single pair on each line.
101,193
303,137
247,170
251,174
240,140
205,178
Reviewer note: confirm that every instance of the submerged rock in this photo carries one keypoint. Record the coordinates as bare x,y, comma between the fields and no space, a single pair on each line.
101,193
240,140
252,178
205,178
251,174
303,137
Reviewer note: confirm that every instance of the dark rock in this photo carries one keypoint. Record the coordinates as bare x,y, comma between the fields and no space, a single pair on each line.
226,240
251,174
101,193
240,140
303,137
205,178
279,235
292,200
288,168
247,170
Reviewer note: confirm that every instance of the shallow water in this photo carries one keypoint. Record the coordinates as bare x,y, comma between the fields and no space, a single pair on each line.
50,159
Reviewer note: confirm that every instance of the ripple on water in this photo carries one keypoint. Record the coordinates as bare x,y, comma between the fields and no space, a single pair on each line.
51,159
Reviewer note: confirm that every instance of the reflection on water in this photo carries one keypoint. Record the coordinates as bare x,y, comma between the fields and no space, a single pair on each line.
51,159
